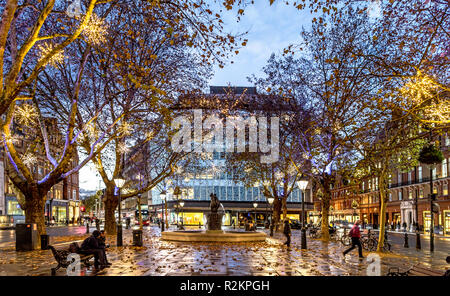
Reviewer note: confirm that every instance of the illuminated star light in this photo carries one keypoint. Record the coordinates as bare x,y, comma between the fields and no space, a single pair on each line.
95,30
45,48
29,158
26,114
122,148
125,129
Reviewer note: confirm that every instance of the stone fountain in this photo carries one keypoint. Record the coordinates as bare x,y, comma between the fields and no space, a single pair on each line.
214,232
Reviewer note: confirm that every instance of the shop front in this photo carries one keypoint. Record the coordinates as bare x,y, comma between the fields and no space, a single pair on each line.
13,210
74,212
446,215
314,217
60,212
426,221
192,218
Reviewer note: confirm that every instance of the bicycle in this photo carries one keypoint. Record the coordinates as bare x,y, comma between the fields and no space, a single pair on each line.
345,239
369,242
314,232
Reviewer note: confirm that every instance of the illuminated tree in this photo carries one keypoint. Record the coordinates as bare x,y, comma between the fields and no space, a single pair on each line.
34,34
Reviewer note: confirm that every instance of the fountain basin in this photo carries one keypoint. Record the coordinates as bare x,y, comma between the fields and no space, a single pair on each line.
213,236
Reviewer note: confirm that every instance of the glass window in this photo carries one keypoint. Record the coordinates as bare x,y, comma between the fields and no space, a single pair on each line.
241,193
256,193
235,193
409,177
390,196
197,192
420,173
444,168
14,208
249,194
229,193
400,195
223,192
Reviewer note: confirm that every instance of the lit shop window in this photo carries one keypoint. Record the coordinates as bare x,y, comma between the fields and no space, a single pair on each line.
420,173
444,168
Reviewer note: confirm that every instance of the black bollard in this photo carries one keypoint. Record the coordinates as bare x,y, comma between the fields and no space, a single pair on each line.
87,227
406,245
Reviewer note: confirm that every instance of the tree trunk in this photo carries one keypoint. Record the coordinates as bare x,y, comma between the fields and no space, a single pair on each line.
35,212
325,209
276,213
140,213
382,211
111,204
284,207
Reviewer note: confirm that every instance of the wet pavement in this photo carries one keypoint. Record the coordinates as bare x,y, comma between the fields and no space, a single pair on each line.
271,258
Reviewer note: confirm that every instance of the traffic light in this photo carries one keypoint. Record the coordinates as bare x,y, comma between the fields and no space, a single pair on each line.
433,196
82,208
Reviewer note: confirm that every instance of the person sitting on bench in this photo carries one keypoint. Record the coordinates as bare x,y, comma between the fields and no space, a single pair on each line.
102,244
91,246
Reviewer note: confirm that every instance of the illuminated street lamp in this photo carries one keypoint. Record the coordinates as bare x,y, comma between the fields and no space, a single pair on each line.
271,200
163,198
182,213
302,184
119,181
255,205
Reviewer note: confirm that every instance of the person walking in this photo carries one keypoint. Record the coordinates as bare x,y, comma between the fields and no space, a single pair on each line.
355,235
287,232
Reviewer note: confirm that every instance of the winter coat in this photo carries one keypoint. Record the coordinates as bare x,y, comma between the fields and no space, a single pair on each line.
354,232
287,228
90,243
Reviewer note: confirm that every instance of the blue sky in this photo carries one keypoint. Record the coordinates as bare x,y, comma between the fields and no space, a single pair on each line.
271,29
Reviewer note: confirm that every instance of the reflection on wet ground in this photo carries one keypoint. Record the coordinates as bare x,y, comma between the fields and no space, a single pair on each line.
161,258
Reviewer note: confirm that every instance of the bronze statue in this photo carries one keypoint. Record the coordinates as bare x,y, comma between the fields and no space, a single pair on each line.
214,218
215,203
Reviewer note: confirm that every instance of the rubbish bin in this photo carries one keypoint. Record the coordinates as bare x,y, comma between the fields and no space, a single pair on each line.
45,239
137,238
26,237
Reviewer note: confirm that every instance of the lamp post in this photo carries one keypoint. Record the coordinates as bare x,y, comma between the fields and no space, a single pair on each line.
418,243
302,184
182,213
271,200
354,206
163,198
119,181
177,193
255,205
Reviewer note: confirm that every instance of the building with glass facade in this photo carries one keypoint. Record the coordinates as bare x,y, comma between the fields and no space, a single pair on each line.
213,176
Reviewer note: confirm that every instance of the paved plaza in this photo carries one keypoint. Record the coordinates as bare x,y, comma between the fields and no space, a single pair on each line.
271,258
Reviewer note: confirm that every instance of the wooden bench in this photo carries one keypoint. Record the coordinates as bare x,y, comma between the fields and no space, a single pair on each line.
61,257
416,270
